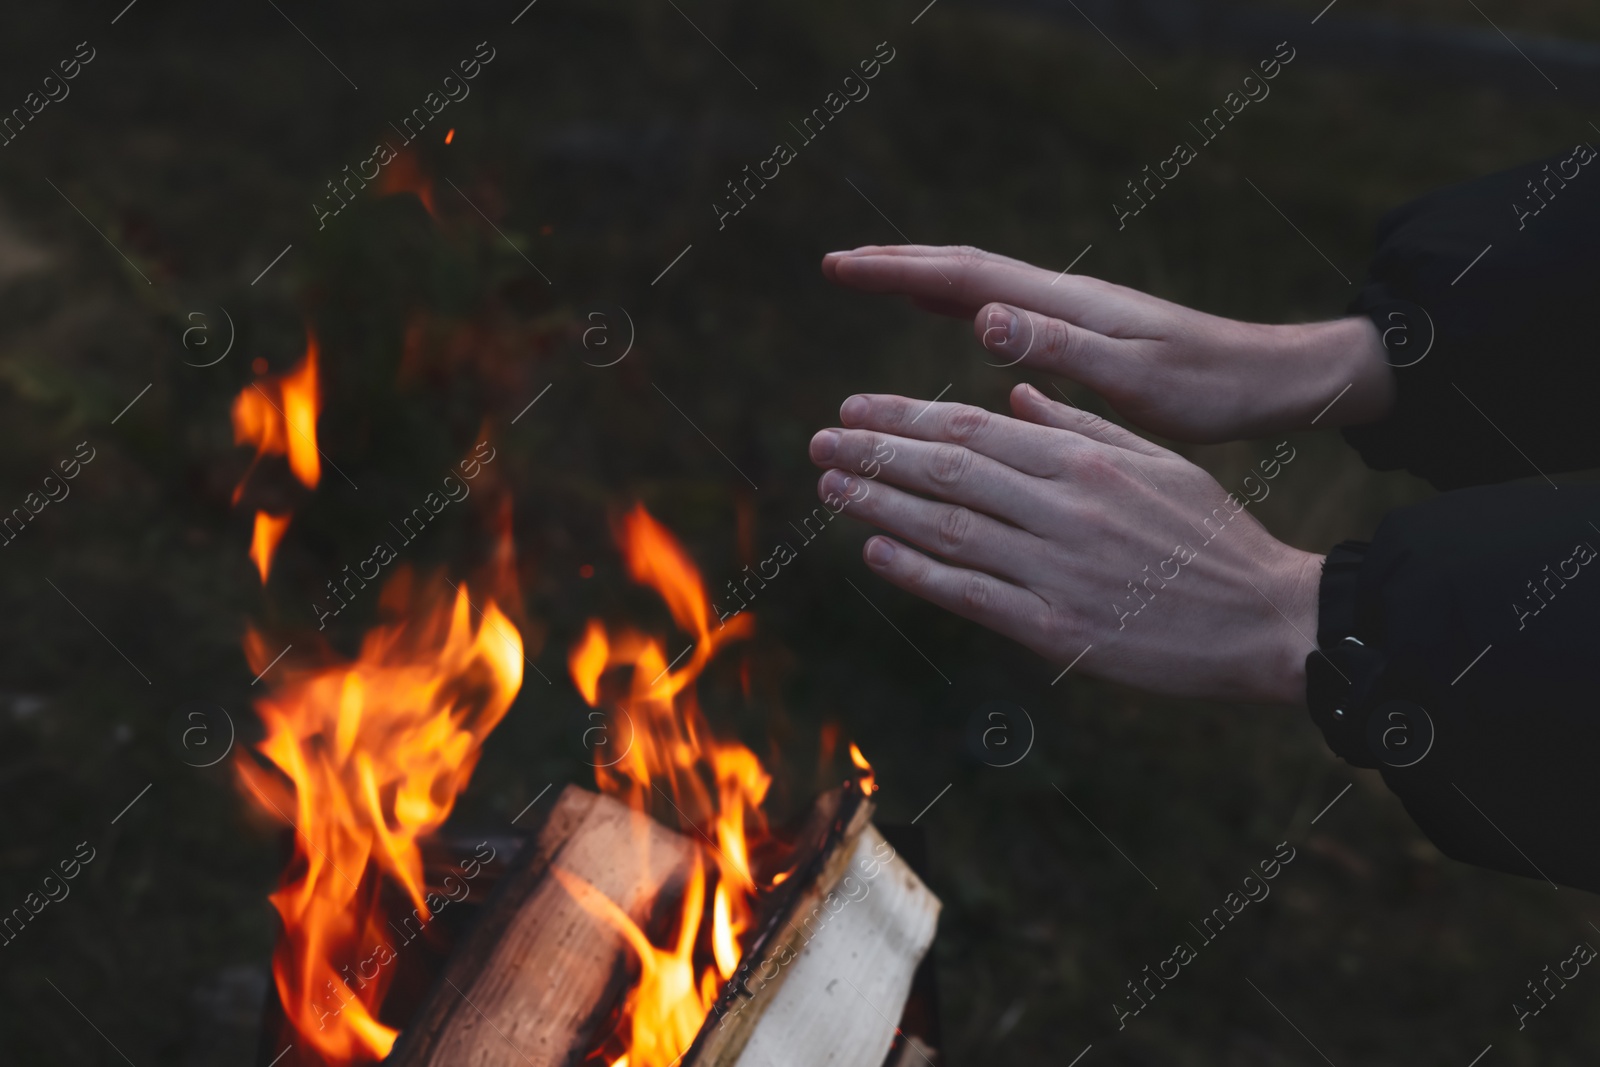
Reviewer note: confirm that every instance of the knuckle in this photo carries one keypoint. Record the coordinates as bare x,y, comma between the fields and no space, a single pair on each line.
955,528
1057,629
967,263
948,465
864,452
976,597
1057,337
965,423
1090,424
1093,466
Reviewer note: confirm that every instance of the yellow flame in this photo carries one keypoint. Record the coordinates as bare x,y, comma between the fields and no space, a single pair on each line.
716,785
869,781
269,531
369,757
666,1006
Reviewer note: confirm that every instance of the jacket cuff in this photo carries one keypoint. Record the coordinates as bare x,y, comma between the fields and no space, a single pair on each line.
1365,702
1341,670
1408,335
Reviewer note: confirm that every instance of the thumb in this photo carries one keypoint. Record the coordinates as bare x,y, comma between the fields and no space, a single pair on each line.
1015,335
1029,404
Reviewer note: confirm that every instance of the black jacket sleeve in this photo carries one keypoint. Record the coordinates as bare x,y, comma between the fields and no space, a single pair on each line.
1484,294
1458,655
1459,652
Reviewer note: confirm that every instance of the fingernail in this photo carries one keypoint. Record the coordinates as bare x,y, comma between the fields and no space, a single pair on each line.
824,445
1002,327
880,550
1033,392
854,410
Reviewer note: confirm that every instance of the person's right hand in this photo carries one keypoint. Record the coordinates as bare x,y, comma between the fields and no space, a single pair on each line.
1174,371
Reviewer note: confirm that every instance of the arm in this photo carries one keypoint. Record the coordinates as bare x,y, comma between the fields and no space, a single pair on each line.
1504,388
1473,687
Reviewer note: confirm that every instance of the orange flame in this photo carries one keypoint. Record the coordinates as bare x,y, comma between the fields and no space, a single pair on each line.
264,541
370,755
279,416
666,1003
869,781
670,754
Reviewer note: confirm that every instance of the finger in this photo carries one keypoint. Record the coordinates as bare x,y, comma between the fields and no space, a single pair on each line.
924,252
1018,336
954,532
972,277
1017,613
944,471
1030,447
830,261
966,276
1030,404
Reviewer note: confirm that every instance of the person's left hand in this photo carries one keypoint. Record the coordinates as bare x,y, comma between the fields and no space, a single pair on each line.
1077,538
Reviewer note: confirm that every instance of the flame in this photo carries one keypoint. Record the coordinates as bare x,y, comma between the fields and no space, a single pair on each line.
666,1005
869,781
264,541
404,174
588,661
724,946
671,755
279,416
370,755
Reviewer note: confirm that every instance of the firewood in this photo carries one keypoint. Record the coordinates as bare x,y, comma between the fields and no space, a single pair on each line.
538,974
831,971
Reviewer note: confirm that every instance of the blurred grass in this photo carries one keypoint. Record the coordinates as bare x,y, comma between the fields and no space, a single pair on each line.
196,143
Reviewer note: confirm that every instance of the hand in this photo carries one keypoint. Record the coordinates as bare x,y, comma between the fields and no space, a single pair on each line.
1180,373
1067,533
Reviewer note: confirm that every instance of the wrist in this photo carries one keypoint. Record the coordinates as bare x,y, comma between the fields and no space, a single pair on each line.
1290,625
1347,378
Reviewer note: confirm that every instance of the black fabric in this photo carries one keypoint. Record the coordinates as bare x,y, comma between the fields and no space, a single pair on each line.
1336,609
1512,335
1484,605
1341,674
1458,651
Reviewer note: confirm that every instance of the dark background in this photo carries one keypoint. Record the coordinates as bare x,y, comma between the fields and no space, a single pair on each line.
596,141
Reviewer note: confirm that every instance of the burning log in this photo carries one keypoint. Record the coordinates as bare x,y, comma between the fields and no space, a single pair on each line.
869,931
534,981
833,964
750,962
829,969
